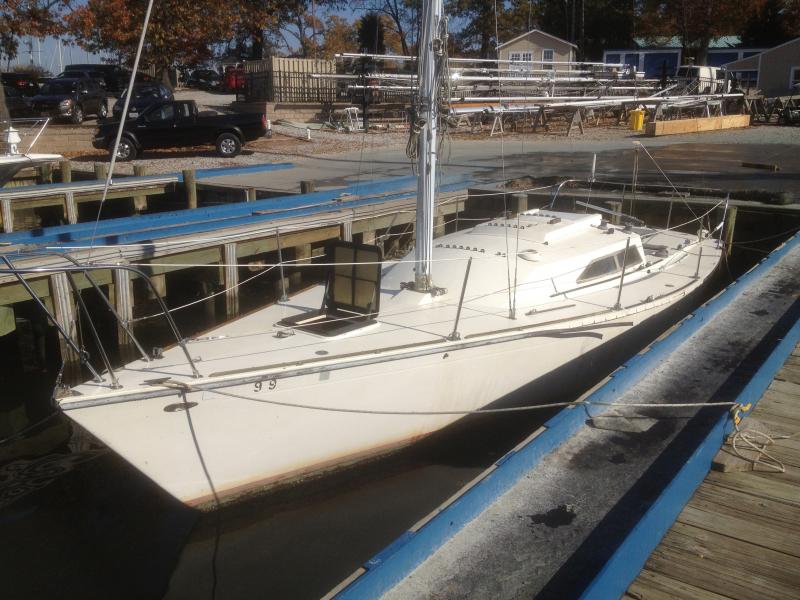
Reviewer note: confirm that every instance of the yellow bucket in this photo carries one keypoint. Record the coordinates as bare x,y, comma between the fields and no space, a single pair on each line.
637,120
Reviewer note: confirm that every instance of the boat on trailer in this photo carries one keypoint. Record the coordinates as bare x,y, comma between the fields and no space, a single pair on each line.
384,353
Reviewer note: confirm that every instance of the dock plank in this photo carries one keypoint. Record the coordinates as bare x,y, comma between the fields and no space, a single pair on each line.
713,550
762,531
656,586
770,489
785,387
710,494
731,580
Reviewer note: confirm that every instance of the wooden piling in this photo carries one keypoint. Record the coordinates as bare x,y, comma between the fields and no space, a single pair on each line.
46,173
70,208
230,272
100,171
65,168
347,231
250,194
64,313
438,225
139,202
123,304
300,252
616,206
730,225
307,186
190,188
519,203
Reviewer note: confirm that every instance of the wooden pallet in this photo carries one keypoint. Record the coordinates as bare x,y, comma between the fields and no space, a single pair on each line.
698,125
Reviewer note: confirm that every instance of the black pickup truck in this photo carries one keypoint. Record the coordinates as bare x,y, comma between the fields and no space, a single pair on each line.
177,124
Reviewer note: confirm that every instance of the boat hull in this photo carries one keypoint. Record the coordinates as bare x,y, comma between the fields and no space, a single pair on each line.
208,445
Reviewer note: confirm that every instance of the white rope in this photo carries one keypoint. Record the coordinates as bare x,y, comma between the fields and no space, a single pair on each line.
479,411
758,442
203,299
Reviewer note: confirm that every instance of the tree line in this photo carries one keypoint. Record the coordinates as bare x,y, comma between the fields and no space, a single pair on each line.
192,31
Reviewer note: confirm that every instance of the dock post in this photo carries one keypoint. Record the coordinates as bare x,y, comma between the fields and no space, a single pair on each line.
139,202
160,284
65,166
730,225
64,313
100,171
190,187
438,225
307,186
347,231
250,194
46,173
301,252
71,208
123,304
230,279
616,206
7,211
519,203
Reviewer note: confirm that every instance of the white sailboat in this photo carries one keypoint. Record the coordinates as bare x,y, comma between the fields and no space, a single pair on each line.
386,353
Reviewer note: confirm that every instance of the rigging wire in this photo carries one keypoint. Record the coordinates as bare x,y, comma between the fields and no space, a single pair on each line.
122,120
503,158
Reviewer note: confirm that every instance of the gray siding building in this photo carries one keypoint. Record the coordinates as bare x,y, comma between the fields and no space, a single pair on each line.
773,71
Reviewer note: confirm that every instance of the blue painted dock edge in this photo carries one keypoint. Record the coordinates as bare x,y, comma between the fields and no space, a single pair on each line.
402,556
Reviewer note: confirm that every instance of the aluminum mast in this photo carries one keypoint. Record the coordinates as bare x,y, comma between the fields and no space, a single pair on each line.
430,64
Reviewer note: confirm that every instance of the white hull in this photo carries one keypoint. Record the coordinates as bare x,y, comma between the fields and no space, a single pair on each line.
253,426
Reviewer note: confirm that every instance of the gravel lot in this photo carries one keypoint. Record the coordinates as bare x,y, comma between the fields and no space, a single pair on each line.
289,143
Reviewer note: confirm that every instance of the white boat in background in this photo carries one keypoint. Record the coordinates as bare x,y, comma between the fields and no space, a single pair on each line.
12,160
386,353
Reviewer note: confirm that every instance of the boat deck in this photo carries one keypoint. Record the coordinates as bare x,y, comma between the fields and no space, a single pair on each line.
575,510
739,535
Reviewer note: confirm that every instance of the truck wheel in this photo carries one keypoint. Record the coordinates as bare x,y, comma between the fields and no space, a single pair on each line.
228,145
126,150
77,115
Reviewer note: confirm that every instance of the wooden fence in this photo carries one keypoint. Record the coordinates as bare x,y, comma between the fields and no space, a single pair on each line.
279,79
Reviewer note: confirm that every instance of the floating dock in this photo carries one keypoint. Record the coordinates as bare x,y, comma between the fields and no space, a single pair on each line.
739,535
69,195
576,509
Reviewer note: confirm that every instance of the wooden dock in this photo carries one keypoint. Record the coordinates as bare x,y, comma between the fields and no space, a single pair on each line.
739,536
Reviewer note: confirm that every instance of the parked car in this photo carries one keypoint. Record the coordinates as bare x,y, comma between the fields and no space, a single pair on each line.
26,83
234,79
144,96
204,79
18,105
177,124
115,77
71,99
87,74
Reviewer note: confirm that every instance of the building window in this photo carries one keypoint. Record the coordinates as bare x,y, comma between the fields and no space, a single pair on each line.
547,56
795,78
514,56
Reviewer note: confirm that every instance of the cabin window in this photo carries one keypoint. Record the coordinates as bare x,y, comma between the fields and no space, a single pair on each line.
514,56
547,56
609,265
